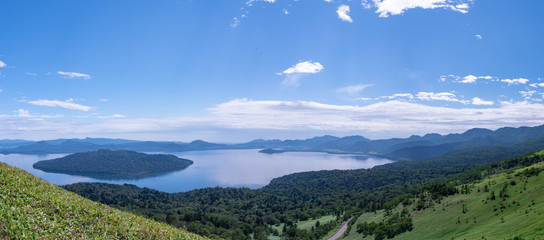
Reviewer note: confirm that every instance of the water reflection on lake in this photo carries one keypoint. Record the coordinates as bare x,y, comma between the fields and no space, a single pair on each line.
225,168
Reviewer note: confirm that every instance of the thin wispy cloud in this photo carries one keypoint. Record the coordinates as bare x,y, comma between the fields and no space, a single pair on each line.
68,104
442,96
23,113
2,64
74,75
354,89
475,79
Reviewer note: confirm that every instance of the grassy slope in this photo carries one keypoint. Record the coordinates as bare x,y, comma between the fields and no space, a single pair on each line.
33,208
519,215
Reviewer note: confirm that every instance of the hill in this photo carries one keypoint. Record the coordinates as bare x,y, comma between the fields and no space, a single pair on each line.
114,163
506,205
32,208
411,148
231,212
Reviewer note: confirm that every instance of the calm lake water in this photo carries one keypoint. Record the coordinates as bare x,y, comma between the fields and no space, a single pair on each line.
224,168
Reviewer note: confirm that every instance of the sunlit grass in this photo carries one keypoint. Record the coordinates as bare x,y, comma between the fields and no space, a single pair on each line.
32,208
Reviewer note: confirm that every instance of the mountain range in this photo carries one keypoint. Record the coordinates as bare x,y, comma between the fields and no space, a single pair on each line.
411,148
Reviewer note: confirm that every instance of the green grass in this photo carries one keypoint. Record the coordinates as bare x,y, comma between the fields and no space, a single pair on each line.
519,215
32,208
365,217
307,225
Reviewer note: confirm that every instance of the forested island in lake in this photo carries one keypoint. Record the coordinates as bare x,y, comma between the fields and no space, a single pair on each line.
271,151
120,163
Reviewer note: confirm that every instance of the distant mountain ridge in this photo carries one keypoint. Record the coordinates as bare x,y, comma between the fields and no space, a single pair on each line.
411,148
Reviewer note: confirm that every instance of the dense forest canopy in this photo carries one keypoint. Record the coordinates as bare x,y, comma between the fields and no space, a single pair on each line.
120,163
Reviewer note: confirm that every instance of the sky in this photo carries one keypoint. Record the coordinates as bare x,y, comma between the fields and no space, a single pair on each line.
233,71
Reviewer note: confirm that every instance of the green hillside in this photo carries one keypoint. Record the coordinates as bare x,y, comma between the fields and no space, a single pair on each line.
32,208
501,206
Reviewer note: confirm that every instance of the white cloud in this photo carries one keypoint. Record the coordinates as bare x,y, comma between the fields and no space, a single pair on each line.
479,101
235,22
354,89
527,94
469,79
68,104
74,75
303,67
396,7
431,96
295,73
535,85
103,100
379,117
396,96
328,1
30,74
23,113
478,36
473,79
286,12
384,119
113,116
343,13
250,2
366,4
515,81
2,64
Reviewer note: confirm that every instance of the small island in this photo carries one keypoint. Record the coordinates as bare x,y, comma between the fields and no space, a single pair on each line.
114,164
271,151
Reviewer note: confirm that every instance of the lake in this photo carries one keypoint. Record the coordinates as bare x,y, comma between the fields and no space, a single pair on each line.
224,168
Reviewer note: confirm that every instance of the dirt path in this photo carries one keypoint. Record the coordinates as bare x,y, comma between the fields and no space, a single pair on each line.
341,231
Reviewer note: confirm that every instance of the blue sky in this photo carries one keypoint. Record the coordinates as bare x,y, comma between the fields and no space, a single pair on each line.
231,71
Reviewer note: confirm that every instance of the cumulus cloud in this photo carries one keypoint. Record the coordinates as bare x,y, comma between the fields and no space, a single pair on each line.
2,64
478,36
396,7
74,75
295,73
303,67
343,13
479,101
68,104
469,79
515,81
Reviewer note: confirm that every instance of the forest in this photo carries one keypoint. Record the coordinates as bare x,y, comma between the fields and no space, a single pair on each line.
238,213
120,164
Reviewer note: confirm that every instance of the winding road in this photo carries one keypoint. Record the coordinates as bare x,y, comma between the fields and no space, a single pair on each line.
341,231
